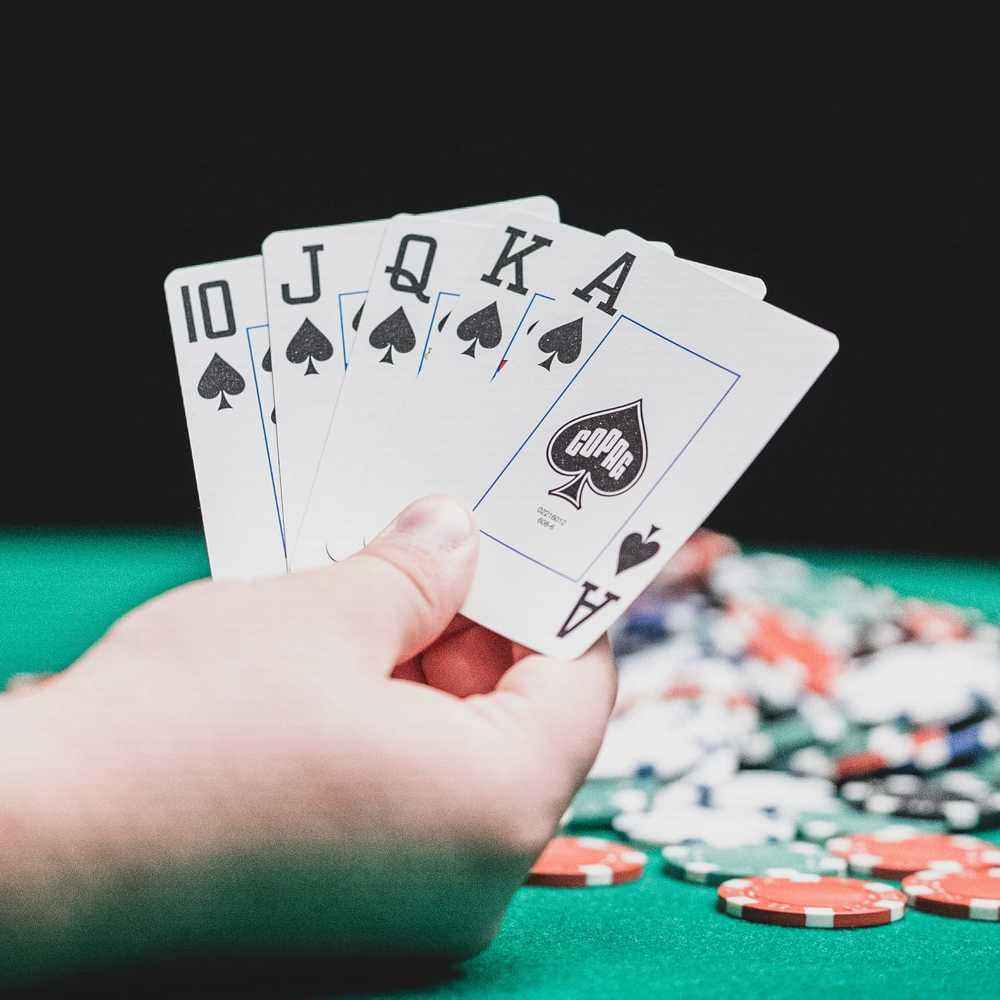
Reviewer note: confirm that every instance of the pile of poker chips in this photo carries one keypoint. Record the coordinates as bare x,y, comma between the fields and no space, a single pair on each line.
789,734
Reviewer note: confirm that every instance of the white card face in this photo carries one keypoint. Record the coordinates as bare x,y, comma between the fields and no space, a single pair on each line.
219,325
317,282
683,380
748,283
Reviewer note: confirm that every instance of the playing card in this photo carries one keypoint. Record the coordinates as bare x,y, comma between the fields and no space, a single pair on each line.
219,326
316,283
680,382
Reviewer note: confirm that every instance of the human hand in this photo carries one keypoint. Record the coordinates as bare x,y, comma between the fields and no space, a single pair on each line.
327,762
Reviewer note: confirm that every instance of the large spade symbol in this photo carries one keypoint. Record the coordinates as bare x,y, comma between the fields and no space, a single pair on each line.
219,378
309,344
562,342
605,451
634,550
482,327
393,331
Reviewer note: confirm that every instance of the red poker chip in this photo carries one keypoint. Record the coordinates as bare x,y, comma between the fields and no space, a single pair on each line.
974,895
802,900
893,854
574,862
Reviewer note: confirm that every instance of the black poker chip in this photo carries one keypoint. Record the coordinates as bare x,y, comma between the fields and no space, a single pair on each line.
916,797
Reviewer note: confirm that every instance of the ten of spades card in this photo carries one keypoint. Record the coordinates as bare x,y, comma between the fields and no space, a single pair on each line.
219,326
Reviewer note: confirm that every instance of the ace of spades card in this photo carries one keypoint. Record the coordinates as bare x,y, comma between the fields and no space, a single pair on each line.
219,326
316,282
682,380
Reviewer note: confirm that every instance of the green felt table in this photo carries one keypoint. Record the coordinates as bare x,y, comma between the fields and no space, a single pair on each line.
658,937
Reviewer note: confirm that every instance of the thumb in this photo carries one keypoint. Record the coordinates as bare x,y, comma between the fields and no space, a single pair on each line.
397,595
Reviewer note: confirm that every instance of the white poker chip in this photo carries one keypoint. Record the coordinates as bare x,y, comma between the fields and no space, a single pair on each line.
699,824
751,790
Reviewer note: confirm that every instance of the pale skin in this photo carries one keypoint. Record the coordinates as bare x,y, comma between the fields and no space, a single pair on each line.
331,762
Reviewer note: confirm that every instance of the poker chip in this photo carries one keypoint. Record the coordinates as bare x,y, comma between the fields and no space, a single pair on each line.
655,740
599,802
906,795
774,791
922,682
893,853
806,900
700,824
819,827
974,895
575,862
965,783
715,865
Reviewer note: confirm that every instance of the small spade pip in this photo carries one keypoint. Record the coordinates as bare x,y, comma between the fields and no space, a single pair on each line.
635,550
309,344
562,343
482,327
393,332
356,322
218,379
605,450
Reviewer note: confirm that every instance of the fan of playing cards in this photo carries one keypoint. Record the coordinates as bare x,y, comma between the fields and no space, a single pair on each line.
591,398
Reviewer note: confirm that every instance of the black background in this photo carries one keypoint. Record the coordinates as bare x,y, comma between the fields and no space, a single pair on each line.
864,215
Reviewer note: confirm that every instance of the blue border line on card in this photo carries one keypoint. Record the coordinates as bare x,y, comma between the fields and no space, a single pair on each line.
340,311
736,377
430,326
517,329
263,429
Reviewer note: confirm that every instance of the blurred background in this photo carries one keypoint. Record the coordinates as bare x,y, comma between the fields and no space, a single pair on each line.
865,216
